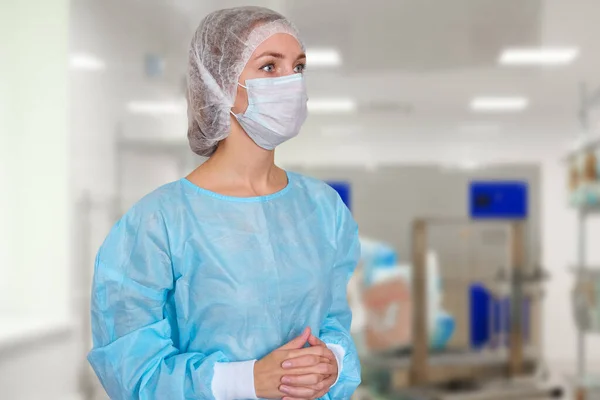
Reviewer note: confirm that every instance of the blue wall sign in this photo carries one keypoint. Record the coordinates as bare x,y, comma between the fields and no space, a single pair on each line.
498,200
344,190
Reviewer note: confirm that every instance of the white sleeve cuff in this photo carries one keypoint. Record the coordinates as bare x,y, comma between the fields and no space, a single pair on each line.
234,381
339,353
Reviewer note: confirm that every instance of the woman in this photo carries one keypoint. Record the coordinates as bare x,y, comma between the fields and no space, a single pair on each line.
231,283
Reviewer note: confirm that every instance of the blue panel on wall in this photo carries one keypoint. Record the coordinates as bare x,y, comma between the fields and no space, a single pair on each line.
344,190
498,200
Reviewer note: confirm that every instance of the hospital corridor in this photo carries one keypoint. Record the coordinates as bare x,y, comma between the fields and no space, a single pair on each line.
197,195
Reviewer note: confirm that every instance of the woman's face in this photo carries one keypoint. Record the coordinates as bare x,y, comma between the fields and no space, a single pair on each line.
279,55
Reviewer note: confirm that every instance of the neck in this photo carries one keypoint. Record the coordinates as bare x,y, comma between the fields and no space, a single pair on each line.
239,158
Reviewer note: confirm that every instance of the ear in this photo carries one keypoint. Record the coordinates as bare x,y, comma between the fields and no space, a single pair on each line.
240,103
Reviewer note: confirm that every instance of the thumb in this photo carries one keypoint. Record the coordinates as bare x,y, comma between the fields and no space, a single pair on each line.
299,342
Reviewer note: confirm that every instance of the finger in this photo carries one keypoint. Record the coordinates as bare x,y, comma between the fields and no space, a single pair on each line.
328,383
304,361
301,392
325,360
330,356
321,388
321,368
298,342
315,341
303,380
316,351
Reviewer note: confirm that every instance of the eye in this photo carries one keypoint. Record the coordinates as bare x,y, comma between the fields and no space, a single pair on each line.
300,68
268,68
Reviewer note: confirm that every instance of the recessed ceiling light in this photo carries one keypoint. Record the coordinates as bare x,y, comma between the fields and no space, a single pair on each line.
469,165
505,104
539,56
462,165
323,58
86,62
157,107
332,106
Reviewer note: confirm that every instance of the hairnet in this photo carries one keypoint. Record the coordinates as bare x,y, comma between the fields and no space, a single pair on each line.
220,49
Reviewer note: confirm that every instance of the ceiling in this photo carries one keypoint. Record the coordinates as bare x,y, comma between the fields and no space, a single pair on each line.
418,36
413,64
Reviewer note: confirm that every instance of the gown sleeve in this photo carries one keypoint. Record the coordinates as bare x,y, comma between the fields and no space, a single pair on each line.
134,353
335,330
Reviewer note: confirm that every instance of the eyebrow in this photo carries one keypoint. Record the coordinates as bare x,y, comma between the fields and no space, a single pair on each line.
271,54
277,55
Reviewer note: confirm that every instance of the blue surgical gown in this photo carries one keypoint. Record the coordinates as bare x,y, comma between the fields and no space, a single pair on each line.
189,278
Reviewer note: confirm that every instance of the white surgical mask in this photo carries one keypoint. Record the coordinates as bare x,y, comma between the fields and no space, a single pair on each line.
276,109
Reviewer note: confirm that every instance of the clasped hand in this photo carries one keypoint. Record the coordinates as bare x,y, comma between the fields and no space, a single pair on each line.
295,372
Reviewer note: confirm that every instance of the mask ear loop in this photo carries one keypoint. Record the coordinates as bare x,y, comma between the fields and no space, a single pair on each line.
231,112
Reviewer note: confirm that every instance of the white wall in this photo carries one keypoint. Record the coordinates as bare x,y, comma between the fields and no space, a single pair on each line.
33,103
34,203
6,253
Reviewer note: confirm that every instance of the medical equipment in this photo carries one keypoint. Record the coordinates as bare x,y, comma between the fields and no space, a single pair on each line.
387,299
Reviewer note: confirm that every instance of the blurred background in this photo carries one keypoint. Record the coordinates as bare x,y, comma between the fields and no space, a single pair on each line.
463,135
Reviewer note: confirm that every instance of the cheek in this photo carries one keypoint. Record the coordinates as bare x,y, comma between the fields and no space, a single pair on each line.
241,101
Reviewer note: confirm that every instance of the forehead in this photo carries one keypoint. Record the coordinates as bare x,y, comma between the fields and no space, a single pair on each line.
283,43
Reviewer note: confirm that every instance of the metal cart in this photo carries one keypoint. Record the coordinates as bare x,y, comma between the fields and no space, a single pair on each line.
507,373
